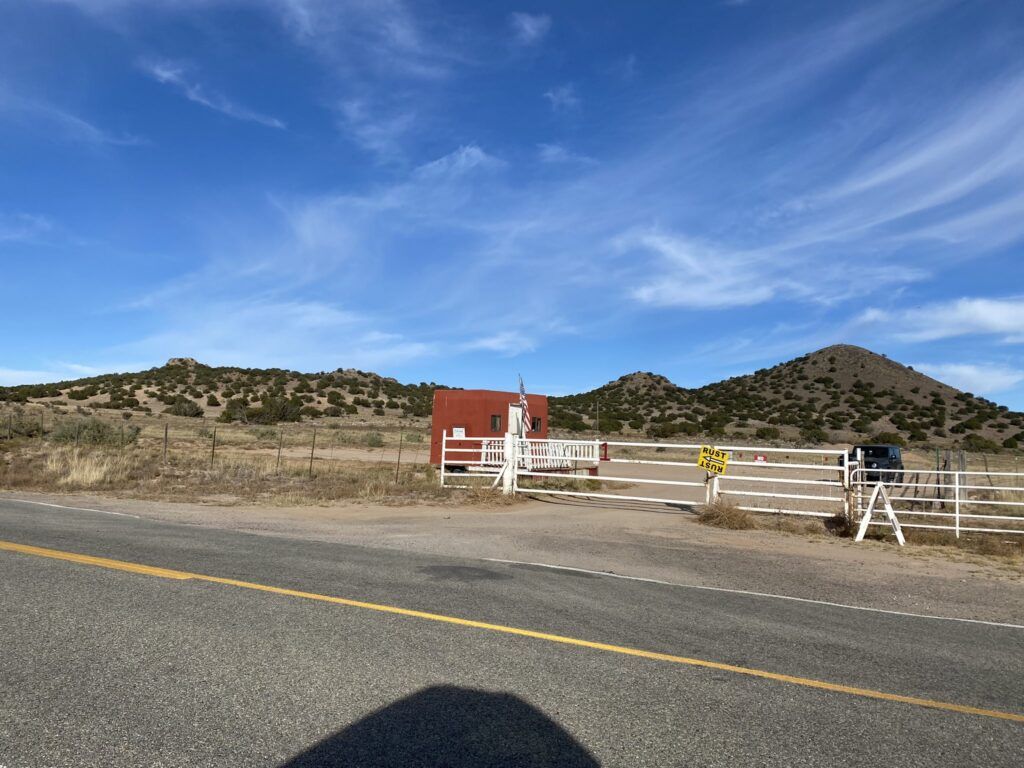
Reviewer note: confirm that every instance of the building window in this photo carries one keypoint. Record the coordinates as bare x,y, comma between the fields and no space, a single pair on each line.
535,427
496,423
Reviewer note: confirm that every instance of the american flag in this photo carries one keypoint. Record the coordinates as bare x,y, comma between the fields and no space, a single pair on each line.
524,407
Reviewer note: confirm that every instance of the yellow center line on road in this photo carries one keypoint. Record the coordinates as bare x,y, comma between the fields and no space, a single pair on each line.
147,570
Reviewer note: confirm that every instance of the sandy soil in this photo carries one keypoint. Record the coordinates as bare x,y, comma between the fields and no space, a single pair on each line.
647,541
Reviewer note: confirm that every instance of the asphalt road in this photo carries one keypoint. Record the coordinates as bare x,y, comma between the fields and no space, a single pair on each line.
100,666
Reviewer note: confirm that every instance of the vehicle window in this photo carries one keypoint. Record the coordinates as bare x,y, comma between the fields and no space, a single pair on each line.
874,452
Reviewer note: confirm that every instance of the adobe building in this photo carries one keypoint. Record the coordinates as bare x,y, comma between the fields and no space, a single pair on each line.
482,413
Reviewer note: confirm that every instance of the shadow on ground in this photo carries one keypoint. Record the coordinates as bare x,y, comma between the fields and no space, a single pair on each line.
666,507
450,727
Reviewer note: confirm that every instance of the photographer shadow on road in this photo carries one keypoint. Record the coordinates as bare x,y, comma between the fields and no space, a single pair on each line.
451,727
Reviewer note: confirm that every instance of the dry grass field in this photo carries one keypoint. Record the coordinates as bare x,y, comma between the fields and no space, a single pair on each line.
182,459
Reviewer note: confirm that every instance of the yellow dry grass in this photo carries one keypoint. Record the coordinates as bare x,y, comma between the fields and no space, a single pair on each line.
722,514
84,468
138,472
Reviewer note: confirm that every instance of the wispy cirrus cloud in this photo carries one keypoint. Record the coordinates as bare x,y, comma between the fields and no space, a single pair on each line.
383,38
954,176
505,343
370,50
983,378
12,377
528,28
300,334
695,275
176,75
385,35
55,371
463,160
1002,318
23,227
380,132
61,123
563,98
556,153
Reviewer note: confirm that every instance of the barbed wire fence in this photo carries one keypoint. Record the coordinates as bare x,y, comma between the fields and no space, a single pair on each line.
280,448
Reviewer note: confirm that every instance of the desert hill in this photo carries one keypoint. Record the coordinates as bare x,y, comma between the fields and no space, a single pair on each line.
838,394
185,387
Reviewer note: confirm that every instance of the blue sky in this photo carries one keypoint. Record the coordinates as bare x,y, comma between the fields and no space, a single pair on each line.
459,192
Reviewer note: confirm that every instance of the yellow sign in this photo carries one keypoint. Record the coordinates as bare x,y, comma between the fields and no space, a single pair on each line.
713,460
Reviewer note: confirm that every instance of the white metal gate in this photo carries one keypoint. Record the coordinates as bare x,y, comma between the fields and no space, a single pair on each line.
959,502
809,482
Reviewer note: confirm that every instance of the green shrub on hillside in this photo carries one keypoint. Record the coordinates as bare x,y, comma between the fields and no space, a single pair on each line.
974,442
93,431
182,406
274,410
234,410
20,423
813,434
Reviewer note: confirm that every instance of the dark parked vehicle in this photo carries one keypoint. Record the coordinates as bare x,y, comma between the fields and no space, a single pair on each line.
876,457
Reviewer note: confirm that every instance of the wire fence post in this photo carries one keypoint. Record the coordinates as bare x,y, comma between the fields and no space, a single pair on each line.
213,447
42,425
122,434
165,443
280,442
398,463
10,426
311,452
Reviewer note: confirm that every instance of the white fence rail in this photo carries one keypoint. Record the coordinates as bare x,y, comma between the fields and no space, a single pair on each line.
793,481
808,482
961,502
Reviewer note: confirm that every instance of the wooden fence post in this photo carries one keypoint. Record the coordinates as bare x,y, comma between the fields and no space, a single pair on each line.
280,442
165,443
213,448
311,452
398,464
